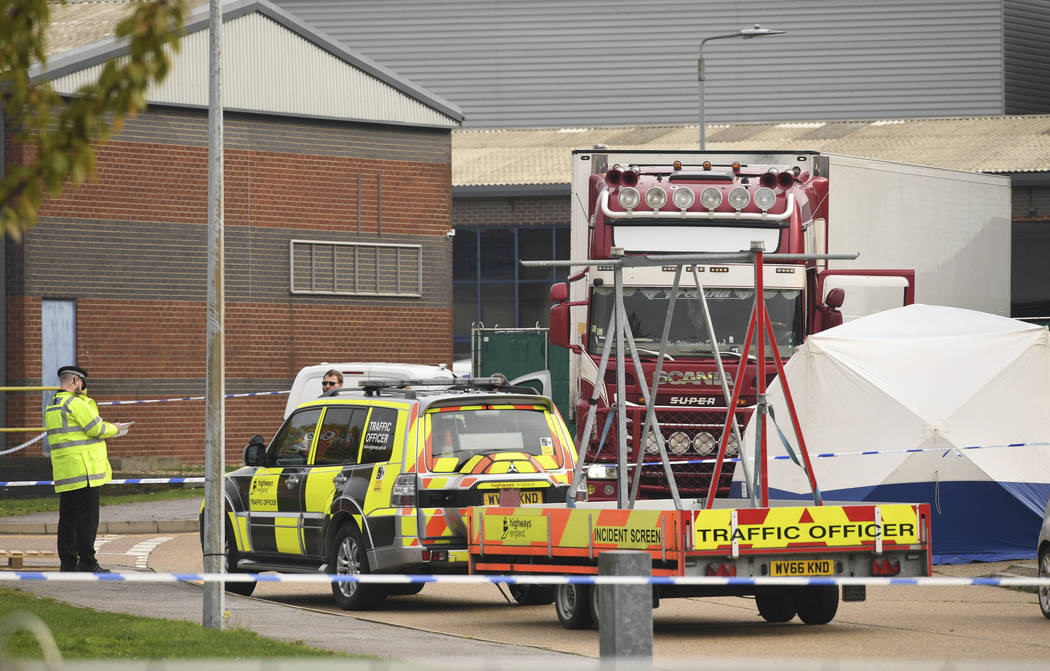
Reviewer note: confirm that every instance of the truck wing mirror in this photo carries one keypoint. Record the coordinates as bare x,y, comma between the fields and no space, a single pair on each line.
559,292
559,319
559,325
558,333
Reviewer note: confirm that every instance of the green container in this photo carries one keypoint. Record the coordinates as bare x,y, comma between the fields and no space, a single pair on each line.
517,352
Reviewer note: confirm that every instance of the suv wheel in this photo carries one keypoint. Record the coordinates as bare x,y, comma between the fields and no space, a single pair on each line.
349,557
230,558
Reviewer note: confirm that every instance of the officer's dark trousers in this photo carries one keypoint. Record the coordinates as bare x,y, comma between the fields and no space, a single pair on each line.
77,526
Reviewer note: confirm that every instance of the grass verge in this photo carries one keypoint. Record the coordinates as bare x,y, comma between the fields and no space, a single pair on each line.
83,633
10,507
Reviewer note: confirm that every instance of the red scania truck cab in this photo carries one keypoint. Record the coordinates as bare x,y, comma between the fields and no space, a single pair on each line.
638,203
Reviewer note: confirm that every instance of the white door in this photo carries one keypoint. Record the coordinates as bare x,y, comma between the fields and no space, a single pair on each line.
59,344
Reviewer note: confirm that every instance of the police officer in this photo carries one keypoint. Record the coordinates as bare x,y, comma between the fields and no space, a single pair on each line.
80,466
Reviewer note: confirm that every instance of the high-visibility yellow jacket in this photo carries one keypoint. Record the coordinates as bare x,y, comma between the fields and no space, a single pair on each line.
76,434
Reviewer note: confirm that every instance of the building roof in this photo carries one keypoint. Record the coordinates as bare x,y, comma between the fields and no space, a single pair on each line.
273,63
994,144
552,63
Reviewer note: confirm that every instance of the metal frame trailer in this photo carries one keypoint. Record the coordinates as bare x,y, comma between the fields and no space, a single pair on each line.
717,547
729,545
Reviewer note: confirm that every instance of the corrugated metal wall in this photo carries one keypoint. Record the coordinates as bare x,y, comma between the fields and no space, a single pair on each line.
607,62
1027,55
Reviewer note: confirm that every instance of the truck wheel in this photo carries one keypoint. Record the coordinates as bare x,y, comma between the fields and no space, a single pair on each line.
1044,592
776,605
230,558
817,604
349,557
573,605
532,595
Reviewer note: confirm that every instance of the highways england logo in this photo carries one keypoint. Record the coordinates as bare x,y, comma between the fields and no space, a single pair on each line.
515,528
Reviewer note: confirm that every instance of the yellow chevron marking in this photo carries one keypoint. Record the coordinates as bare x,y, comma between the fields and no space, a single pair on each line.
445,464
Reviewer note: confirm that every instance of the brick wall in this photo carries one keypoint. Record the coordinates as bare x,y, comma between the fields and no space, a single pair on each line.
1030,203
131,249
512,211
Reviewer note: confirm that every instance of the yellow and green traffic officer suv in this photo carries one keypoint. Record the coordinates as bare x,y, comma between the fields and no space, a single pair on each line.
372,480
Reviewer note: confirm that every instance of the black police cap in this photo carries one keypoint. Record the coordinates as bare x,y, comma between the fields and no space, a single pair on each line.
73,370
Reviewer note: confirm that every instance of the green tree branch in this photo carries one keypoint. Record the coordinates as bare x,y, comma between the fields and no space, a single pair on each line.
63,131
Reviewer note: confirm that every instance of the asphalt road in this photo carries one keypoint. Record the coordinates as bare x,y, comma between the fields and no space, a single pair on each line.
958,625
961,624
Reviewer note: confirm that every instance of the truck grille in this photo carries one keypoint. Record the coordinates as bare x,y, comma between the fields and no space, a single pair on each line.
690,434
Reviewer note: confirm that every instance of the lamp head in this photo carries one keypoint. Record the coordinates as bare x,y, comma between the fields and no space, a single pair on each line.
758,31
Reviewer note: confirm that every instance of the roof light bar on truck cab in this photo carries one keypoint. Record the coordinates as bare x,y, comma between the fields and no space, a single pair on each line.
683,198
655,197
711,198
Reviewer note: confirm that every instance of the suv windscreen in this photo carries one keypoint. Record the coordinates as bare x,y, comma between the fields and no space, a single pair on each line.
457,434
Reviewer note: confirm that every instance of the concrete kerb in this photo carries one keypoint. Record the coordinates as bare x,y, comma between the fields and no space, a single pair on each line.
144,517
136,527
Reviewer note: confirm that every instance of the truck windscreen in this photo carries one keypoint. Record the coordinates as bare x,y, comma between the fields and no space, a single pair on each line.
730,310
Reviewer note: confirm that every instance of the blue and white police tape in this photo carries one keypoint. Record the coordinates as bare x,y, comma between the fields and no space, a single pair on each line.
196,398
708,581
154,400
865,453
24,445
729,460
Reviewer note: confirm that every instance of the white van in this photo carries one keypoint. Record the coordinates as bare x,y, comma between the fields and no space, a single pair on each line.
307,385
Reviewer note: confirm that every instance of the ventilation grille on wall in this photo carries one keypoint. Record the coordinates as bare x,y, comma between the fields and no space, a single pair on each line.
356,269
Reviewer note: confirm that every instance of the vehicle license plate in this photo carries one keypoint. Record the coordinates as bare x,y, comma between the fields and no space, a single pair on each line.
797,567
527,496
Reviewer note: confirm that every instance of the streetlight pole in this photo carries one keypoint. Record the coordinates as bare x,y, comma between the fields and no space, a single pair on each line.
747,34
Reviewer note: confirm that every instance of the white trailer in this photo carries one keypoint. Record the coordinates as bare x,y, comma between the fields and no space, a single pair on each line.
951,226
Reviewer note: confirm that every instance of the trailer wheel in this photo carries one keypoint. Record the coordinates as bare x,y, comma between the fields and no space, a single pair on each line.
405,590
776,605
594,606
532,595
573,605
817,604
1044,592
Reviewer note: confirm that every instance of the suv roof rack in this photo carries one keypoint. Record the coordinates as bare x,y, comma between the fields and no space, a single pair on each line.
494,383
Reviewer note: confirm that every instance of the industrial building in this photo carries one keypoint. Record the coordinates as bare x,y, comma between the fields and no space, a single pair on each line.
337,213
925,82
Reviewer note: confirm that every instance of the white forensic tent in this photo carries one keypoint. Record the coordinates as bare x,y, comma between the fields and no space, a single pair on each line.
956,406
